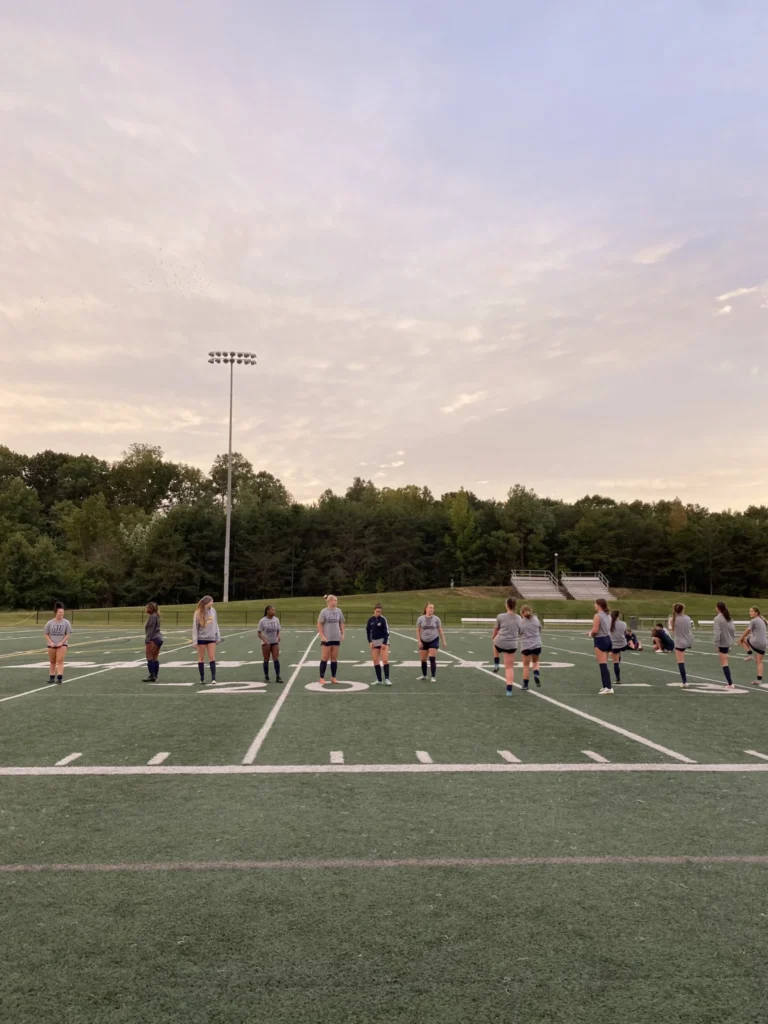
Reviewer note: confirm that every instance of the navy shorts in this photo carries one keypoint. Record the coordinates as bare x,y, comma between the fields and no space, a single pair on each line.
431,645
752,647
330,643
531,650
723,650
603,643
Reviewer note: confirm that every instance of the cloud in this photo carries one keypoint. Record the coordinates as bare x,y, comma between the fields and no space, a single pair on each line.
724,311
737,292
753,371
656,253
400,453
356,367
464,399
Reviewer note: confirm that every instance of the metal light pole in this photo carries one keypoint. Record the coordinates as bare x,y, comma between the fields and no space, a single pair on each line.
557,578
247,359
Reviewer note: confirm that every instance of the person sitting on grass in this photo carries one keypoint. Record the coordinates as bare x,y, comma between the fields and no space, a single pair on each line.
633,640
662,641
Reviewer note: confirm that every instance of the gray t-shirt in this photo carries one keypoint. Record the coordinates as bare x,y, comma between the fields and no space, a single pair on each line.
603,624
725,632
331,619
270,628
430,627
683,631
757,633
208,633
510,625
152,630
530,633
619,634
57,631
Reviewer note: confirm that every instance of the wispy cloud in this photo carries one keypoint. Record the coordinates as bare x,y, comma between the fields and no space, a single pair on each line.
724,311
656,253
463,400
737,292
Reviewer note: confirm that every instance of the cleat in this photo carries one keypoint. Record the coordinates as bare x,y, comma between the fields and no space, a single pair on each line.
756,682
387,682
51,679
730,686
279,680
508,692
608,689
537,681
266,679
684,686
495,670
526,686
603,689
376,682
150,679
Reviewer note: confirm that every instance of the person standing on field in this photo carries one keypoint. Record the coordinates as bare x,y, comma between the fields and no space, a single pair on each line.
153,641
681,626
331,627
205,636
725,638
57,632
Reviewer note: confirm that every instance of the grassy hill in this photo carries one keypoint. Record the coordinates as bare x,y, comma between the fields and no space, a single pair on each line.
402,608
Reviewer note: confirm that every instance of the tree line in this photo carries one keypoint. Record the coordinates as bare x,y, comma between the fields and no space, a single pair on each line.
94,533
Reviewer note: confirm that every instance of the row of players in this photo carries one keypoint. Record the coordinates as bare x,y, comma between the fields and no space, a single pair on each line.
610,633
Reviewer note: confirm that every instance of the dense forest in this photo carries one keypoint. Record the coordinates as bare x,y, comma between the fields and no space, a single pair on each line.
101,534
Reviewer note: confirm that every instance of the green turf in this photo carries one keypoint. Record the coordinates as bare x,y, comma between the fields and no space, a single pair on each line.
619,941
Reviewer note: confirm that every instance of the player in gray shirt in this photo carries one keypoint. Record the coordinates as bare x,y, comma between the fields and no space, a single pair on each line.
725,638
601,637
754,641
269,634
153,641
530,643
506,635
681,628
57,633
618,641
429,633
205,636
330,626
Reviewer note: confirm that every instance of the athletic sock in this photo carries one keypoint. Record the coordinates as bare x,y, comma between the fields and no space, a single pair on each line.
323,667
535,673
683,673
266,670
201,670
334,669
433,666
60,679
378,672
727,674
213,671
51,679
496,662
509,688
150,667
606,677
277,669
759,679
617,671
157,668
424,669
386,671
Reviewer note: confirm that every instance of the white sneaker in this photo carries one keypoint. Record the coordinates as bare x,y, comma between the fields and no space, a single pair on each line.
604,689
376,682
387,682
607,689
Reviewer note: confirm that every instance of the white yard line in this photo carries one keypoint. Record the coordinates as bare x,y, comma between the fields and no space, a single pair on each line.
423,757
592,718
507,756
596,757
748,768
261,735
159,758
67,760
337,757
756,753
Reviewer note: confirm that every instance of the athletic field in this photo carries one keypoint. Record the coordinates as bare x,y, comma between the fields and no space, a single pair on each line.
430,852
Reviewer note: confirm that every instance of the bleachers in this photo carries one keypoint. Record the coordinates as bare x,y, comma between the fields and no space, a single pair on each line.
537,584
587,586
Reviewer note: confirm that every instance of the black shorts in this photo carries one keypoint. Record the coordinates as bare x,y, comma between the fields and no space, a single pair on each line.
56,647
723,650
266,643
603,643
431,645
752,647
620,650
531,650
506,650
682,648
330,643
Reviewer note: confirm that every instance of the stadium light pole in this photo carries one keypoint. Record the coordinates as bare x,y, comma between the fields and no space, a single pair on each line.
230,358
557,580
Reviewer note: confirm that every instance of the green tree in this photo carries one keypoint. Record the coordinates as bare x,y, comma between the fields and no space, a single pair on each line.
19,508
42,474
242,474
142,478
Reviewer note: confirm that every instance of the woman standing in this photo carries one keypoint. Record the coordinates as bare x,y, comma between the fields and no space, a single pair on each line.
530,642
429,633
754,640
153,641
506,634
682,632
618,641
725,638
57,633
377,631
331,627
269,634
205,636
601,635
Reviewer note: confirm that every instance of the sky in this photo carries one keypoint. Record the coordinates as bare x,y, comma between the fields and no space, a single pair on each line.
472,244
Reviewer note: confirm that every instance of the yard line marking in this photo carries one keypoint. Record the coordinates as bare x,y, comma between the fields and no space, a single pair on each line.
423,757
598,721
508,757
654,668
26,692
407,768
83,643
261,735
596,757
364,863
337,757
159,758
756,753
67,760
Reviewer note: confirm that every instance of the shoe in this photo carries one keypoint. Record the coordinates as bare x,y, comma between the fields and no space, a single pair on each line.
508,693
322,682
603,689
266,679
203,682
537,681
376,682
421,679
51,679
608,689
387,682
749,657
526,686
59,681
279,680
150,679
755,682
684,686
730,686
495,670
